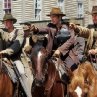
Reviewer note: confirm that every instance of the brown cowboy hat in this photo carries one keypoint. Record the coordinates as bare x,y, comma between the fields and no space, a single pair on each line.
8,16
94,11
56,11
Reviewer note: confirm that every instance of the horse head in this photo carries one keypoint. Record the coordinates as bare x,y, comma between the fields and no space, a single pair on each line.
78,86
39,58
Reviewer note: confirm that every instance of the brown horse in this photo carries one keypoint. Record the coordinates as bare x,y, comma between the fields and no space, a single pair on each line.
6,85
83,81
47,82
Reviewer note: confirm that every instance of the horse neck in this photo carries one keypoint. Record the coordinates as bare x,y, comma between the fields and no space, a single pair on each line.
51,75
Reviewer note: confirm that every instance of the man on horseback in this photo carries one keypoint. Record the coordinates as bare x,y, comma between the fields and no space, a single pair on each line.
91,34
63,41
12,44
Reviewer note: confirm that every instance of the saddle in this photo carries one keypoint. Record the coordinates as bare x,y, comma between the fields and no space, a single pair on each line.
7,65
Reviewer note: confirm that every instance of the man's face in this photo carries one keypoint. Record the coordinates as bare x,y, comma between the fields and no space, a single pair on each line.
94,17
55,19
8,24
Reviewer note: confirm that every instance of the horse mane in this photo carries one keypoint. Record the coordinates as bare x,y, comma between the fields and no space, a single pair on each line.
85,77
78,79
51,75
36,48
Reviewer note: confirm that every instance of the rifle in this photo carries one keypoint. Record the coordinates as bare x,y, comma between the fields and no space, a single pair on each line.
19,76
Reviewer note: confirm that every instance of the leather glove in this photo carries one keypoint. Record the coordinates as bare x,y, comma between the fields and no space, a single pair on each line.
34,29
3,52
27,48
95,34
57,53
92,51
72,26
7,52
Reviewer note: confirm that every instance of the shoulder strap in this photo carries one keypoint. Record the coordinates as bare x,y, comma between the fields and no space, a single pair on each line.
16,32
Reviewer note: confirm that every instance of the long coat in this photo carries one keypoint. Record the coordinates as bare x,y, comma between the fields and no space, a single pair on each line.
90,34
73,57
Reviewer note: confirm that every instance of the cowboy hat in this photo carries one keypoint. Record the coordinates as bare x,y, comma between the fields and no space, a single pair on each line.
56,11
26,25
8,16
94,11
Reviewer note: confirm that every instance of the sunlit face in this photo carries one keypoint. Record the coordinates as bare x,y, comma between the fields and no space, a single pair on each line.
94,17
55,19
8,24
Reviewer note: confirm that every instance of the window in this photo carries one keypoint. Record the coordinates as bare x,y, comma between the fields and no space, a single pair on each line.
7,6
80,9
38,8
61,5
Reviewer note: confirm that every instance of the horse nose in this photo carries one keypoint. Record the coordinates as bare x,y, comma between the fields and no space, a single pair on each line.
39,82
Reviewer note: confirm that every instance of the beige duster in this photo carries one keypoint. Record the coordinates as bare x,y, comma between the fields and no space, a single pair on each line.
90,35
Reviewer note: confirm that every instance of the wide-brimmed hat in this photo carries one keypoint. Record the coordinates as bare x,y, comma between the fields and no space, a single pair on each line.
56,11
94,11
26,25
8,16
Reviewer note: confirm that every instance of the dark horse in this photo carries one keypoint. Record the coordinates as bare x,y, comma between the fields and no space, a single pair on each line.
47,82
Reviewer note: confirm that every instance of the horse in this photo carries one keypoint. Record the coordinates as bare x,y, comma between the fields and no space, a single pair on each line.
47,82
7,87
83,81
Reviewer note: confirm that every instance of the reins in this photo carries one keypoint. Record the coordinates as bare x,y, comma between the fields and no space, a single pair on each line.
93,59
1,62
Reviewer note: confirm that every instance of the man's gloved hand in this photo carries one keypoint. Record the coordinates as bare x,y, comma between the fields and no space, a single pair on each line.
92,51
57,53
34,29
27,48
95,34
3,52
6,52
72,26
